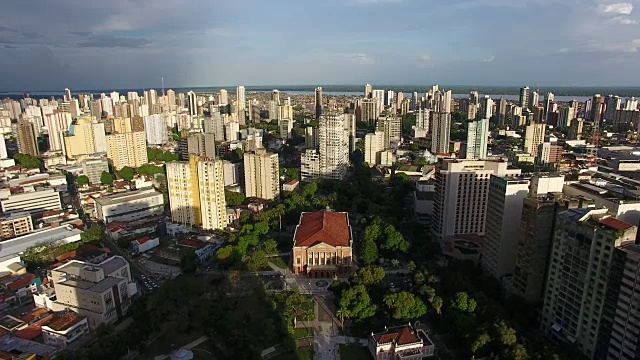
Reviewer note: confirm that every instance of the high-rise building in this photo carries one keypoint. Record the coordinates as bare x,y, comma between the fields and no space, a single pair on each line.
155,127
391,127
56,123
566,114
549,153
423,118
286,127
534,136
240,97
332,158
27,139
534,100
319,103
310,165
223,97
93,168
368,91
547,109
373,144
368,111
596,110
126,147
524,97
441,131
462,188
631,104
501,111
192,103
350,130
378,96
477,139
262,175
487,107
311,137
3,148
575,131
171,98
67,95
618,333
275,96
80,140
202,145
535,238
389,98
579,274
196,192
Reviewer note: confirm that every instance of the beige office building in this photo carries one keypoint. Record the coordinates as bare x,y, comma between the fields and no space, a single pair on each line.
262,175
534,136
374,143
14,225
127,149
101,292
81,138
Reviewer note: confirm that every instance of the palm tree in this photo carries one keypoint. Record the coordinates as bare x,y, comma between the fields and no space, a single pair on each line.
342,313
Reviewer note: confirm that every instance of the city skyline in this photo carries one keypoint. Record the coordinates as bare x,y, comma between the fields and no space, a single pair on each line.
131,44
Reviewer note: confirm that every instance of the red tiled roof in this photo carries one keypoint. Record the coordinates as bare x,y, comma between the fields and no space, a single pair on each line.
193,244
402,336
330,228
65,321
615,224
292,182
29,333
115,226
23,282
34,315
143,240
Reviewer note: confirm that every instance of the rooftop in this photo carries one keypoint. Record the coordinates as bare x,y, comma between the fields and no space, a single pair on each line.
126,196
615,224
402,335
331,228
64,320
15,345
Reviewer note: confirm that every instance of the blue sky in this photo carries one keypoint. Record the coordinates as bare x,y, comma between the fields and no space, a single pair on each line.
49,45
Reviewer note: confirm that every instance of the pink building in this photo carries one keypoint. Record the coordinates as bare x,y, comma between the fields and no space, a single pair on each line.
401,343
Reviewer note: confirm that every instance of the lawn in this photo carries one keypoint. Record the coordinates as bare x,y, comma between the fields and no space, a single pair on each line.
353,352
281,261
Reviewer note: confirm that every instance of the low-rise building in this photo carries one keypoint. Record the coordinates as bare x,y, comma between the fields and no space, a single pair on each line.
34,202
322,244
143,244
101,292
65,329
129,206
291,185
16,224
401,343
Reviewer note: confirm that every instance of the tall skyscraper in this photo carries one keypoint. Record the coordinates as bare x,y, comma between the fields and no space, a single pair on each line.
579,275
378,96
368,111
524,97
56,123
487,107
240,97
275,97
441,131
318,102
27,139
67,95
196,192
534,136
501,110
462,187
331,161
368,91
126,147
391,127
3,148
618,333
171,98
262,175
373,144
595,112
155,127
612,104
223,97
534,100
201,145
423,118
477,139
192,103
547,109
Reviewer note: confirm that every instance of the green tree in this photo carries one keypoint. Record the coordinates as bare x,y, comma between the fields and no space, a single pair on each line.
357,302
27,161
369,252
481,341
428,292
405,306
224,255
505,334
150,170
270,247
309,190
292,173
93,235
126,173
106,178
342,313
368,275
516,352
189,262
257,261
421,161
234,198
82,180
394,241
463,303
437,303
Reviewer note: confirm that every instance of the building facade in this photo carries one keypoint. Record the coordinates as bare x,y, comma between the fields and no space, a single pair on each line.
322,245
477,139
34,202
16,224
441,131
129,206
262,175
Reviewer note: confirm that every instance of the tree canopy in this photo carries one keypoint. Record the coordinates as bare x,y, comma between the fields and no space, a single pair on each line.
405,306
368,275
28,161
106,178
93,235
82,180
234,198
159,155
150,170
126,173
357,303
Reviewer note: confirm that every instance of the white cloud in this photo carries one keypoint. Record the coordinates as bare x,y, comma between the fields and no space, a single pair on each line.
360,58
618,8
625,20
424,58
626,47
488,59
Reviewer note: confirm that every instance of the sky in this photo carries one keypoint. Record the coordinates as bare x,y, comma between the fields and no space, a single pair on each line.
80,44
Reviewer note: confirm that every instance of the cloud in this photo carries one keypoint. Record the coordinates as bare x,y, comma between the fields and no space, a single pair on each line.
423,58
626,47
488,59
361,59
618,8
30,35
81,33
109,41
624,20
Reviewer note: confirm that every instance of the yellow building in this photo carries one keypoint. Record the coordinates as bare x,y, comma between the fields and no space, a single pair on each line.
196,192
128,149
81,138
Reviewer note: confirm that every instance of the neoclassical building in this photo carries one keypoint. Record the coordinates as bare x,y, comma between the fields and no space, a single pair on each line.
322,244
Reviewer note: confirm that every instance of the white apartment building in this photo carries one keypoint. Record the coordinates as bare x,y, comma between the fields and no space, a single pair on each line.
129,206
462,188
262,175
392,129
477,139
579,274
374,143
155,127
212,201
333,147
57,122
34,202
534,136
310,165
101,292
65,329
